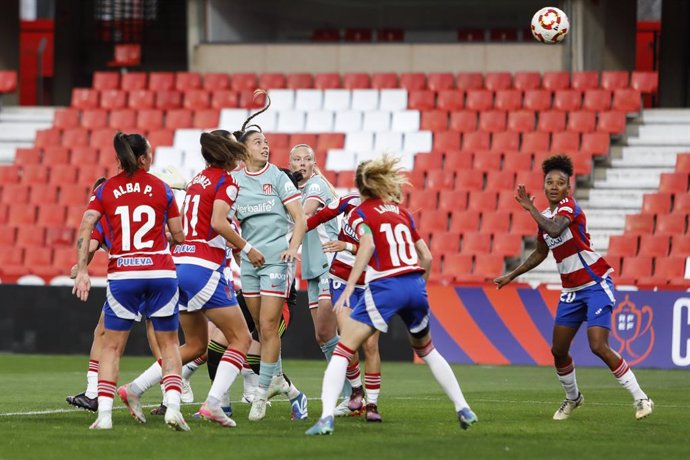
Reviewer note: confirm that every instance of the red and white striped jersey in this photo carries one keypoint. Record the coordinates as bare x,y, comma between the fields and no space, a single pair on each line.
203,246
394,238
578,263
136,209
341,266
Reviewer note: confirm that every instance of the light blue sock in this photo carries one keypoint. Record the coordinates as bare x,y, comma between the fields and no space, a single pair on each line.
328,347
266,373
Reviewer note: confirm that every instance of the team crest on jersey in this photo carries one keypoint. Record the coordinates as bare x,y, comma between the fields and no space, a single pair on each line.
268,189
290,187
231,192
314,188
632,328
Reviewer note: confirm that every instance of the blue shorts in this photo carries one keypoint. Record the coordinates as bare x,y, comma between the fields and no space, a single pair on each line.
593,304
202,288
127,300
404,295
337,288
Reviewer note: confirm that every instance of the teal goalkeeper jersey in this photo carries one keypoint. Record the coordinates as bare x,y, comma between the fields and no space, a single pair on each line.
260,208
314,261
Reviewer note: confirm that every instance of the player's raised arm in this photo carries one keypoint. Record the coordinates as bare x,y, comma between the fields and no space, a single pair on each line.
534,259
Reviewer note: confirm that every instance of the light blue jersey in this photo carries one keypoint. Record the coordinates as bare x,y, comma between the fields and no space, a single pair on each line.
314,261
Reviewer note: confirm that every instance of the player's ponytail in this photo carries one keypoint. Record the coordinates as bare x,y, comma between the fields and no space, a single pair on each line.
246,129
129,147
220,149
381,178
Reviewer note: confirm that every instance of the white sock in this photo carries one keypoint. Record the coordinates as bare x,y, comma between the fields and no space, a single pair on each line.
189,369
445,377
251,380
147,379
293,392
228,369
333,381
173,387
627,379
569,383
105,406
372,385
91,384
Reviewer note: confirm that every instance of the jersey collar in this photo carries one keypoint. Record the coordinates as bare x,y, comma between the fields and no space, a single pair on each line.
257,173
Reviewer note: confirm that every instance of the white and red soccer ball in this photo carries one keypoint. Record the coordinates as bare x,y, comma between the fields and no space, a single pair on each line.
550,25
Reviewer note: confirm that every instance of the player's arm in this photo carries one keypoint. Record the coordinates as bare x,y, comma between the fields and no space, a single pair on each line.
424,256
534,259
93,247
176,230
222,226
553,227
311,207
364,253
338,245
82,284
297,213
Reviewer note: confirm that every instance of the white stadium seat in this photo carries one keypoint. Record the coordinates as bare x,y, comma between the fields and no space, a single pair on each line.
282,99
377,121
309,99
187,139
388,142
348,121
168,156
420,141
232,119
393,99
336,99
365,99
290,121
341,160
359,141
405,121
320,121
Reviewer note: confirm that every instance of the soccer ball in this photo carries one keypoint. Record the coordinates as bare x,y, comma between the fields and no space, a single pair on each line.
550,25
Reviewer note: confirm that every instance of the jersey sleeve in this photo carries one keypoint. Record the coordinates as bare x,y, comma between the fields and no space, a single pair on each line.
331,211
227,190
98,234
286,189
357,222
566,208
413,228
318,190
96,200
173,210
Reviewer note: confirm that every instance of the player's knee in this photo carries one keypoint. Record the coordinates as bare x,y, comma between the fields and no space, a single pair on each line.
559,353
599,348
371,347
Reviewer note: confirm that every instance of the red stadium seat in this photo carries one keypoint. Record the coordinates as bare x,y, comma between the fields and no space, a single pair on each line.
166,100
17,193
477,244
555,81
434,120
126,55
272,81
427,161
634,268
452,200
132,81
34,174
224,98
458,160
582,164
85,98
673,182
654,245
507,245
206,119
517,162
508,100
597,100
89,173
103,139
12,255
507,141
251,100
55,155
450,99
463,121
623,245
346,179
581,121
585,80
492,121
495,81
614,79
552,121
440,179
196,99
327,81
51,215
356,81
35,257
159,137
150,119
123,120
448,140
680,245
112,99
422,100
75,136
611,122
627,100
328,141
300,81
473,142
303,138
471,35
484,201
503,35
565,142
667,268
656,203
644,82
216,81
683,162
185,81
671,224
525,81
105,80
94,118
639,224
27,156
325,35
74,215
279,140
469,80
386,80
533,182
468,179
479,100
445,243
495,222
178,119
358,35
161,81
567,100
440,81
433,220
681,203
457,264
422,199
413,81
243,82
486,268
500,180
390,35
66,118
537,100
63,174
521,121
534,142
22,214
464,220
141,99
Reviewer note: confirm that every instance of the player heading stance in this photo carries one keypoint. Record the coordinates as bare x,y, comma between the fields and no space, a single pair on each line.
141,272
587,293
396,284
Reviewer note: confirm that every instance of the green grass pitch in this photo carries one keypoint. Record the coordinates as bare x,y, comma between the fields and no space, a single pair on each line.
514,405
